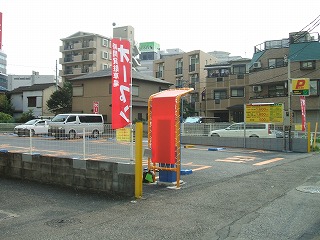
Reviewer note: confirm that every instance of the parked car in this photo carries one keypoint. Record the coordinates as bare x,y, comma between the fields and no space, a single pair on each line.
198,119
71,125
258,130
36,126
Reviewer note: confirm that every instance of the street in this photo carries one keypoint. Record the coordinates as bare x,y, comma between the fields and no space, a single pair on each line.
231,194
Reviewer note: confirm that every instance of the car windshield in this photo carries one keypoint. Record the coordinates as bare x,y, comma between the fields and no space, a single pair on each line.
192,120
59,118
31,122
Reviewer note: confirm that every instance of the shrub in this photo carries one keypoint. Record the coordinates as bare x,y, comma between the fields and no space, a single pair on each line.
6,118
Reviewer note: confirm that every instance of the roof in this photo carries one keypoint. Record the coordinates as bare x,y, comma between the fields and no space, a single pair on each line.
304,51
82,34
34,87
108,73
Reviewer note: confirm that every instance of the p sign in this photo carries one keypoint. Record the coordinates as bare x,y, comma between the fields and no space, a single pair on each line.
95,107
301,86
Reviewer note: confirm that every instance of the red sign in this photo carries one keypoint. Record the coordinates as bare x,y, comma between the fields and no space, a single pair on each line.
303,112
95,107
121,83
0,30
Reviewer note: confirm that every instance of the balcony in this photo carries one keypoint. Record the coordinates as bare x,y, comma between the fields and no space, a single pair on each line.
90,57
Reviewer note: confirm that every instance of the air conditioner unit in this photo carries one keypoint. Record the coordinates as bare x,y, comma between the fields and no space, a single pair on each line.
256,89
257,65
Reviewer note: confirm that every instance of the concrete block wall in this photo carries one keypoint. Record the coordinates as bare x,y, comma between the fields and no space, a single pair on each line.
272,144
102,176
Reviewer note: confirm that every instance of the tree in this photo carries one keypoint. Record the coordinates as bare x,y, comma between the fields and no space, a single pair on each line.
61,100
5,104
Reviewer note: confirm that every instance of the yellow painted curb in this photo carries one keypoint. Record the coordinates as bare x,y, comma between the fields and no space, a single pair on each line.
188,146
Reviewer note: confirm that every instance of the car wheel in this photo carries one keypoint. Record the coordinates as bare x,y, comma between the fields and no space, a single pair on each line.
72,134
215,135
95,134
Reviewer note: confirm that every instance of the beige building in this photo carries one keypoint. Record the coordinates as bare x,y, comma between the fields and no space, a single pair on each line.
185,70
226,90
84,53
274,62
97,87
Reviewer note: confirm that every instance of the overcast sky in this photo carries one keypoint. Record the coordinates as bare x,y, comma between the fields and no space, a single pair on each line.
32,29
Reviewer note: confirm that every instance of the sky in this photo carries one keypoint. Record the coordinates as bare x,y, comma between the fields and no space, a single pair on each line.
32,29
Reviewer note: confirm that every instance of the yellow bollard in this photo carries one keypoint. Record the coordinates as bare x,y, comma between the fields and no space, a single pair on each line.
138,164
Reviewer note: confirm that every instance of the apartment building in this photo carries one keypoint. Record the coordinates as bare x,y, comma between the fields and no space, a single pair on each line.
3,69
84,53
276,61
185,70
225,90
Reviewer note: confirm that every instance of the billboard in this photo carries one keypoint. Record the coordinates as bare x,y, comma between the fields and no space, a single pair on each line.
121,83
149,47
264,113
301,87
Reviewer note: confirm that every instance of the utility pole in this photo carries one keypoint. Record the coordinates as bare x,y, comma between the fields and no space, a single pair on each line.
289,105
56,75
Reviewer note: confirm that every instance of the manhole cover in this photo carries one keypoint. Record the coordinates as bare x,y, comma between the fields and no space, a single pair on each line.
57,223
309,189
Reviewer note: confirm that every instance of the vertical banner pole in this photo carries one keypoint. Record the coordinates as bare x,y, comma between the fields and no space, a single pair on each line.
138,163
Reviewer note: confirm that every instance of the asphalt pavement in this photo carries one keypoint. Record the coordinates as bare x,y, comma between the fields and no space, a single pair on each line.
275,201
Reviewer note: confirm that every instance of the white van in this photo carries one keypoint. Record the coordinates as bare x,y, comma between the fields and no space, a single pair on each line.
258,130
71,125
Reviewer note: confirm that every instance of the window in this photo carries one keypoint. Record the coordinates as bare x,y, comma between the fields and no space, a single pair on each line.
110,88
32,101
179,82
220,94
239,69
276,62
140,116
105,55
179,66
77,91
105,66
194,59
277,91
237,92
314,87
307,65
105,42
135,91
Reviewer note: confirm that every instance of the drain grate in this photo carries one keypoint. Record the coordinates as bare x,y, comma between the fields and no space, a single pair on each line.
57,223
309,189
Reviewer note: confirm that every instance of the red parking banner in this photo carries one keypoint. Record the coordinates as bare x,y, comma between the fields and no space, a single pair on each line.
121,83
303,113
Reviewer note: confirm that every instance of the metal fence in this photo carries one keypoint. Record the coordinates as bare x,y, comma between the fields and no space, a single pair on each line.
106,146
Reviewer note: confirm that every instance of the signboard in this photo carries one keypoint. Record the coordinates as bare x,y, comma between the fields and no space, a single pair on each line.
95,107
264,113
301,87
121,83
149,47
123,134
